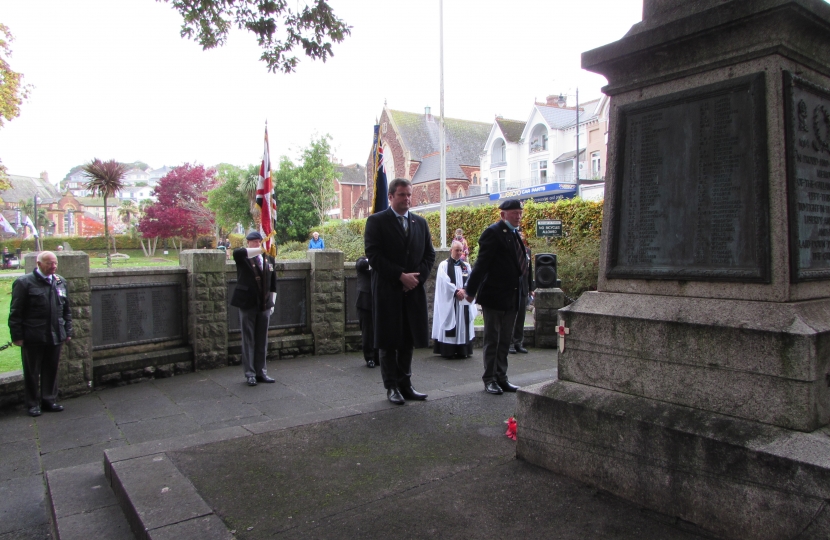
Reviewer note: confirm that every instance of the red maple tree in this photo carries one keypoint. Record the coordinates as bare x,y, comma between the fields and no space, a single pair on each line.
179,210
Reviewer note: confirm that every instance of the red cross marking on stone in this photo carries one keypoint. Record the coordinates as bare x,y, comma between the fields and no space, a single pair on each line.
562,331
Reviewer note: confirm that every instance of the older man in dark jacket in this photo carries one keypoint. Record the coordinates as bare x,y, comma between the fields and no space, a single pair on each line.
496,284
399,248
255,296
40,322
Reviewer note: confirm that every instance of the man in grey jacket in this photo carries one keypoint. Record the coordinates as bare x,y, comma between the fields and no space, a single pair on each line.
40,322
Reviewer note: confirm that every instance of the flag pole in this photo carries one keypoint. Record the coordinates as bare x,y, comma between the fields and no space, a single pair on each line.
441,134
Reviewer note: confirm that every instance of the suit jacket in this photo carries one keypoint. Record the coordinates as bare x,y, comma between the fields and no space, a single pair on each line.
248,294
39,313
528,284
364,284
496,279
392,252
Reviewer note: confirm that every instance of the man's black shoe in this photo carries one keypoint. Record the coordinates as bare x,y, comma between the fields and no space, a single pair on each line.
411,394
394,395
265,379
521,349
51,407
493,388
511,350
34,411
507,386
251,381
370,363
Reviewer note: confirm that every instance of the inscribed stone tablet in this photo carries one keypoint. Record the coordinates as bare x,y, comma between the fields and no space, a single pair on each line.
807,108
691,200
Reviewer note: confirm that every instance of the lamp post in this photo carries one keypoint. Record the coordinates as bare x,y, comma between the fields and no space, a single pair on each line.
441,134
562,101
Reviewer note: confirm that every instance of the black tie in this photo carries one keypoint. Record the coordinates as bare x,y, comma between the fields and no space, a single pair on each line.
402,219
520,252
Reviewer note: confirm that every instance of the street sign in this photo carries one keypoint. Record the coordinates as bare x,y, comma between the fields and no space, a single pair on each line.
548,227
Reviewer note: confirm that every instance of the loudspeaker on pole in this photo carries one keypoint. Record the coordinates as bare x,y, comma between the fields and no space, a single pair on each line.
546,271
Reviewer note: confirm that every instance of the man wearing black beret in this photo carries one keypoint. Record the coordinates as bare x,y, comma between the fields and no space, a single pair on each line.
255,296
496,284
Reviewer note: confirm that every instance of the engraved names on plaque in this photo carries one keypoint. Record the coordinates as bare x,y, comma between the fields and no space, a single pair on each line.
131,315
691,189
808,177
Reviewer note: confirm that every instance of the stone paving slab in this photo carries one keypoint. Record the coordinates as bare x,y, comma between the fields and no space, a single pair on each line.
154,494
24,505
441,468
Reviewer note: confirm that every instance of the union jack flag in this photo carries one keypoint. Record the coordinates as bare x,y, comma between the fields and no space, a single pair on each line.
265,202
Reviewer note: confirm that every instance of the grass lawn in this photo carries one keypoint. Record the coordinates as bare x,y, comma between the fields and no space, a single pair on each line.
10,358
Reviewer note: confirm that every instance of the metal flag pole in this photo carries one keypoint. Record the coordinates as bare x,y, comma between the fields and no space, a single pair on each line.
576,158
441,134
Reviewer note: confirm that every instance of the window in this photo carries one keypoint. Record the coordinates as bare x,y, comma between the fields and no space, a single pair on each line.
595,165
502,152
539,172
486,182
500,182
539,139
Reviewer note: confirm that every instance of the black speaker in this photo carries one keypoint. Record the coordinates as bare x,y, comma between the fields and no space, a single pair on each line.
546,271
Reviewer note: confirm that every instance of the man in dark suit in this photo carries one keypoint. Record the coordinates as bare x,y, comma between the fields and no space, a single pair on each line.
495,283
255,296
40,322
527,287
399,248
363,304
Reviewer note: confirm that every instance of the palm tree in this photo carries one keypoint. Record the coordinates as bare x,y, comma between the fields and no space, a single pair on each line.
126,211
105,180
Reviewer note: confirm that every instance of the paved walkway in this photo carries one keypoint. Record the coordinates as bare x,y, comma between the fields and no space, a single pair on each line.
51,472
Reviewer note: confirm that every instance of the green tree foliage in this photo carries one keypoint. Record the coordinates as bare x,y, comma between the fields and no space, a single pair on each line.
27,208
304,193
232,200
278,28
12,91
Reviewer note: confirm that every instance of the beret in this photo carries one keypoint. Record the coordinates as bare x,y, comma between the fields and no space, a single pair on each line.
511,204
254,235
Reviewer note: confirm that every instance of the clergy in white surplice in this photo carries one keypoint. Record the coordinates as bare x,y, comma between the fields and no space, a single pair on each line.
453,316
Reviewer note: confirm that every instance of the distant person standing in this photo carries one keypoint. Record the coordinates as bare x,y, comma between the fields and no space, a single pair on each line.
527,287
495,282
465,249
316,242
364,311
399,248
255,296
453,316
40,322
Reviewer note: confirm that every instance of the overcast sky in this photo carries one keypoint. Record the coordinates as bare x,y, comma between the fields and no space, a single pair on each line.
114,80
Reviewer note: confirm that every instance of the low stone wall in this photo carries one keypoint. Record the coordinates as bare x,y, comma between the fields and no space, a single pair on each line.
318,318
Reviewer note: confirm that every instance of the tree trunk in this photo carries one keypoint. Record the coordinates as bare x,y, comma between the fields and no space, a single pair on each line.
144,249
107,233
155,244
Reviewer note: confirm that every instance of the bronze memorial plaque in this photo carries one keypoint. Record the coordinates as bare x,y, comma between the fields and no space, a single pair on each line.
124,315
807,108
290,309
691,198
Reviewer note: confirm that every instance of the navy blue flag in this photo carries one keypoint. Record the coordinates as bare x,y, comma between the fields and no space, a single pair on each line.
380,201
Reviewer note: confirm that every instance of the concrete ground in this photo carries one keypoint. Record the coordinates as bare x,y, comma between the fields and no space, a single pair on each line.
319,454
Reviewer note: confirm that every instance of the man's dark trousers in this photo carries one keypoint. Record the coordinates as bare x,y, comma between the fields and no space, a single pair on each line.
396,364
40,361
519,328
254,326
498,332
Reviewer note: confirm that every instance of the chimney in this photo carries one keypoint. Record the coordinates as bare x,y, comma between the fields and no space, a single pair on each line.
428,113
44,176
553,101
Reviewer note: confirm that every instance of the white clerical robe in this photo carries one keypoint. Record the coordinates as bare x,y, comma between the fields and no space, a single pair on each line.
448,312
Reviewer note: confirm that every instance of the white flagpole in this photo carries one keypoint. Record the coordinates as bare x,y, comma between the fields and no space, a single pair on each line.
441,134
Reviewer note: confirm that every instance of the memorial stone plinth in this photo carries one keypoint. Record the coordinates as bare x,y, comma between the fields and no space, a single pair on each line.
328,315
207,319
696,380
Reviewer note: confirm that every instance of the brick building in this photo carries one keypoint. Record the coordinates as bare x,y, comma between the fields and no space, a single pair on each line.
411,150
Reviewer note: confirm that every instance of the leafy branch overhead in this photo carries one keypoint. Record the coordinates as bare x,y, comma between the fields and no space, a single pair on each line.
278,28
